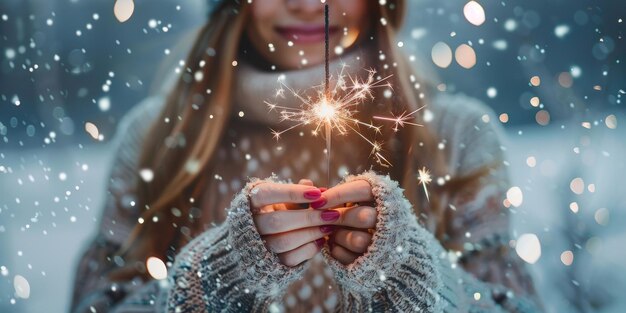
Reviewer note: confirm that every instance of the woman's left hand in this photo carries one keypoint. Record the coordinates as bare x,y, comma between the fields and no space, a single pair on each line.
355,202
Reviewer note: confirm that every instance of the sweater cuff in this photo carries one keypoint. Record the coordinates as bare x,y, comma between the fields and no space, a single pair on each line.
260,267
399,245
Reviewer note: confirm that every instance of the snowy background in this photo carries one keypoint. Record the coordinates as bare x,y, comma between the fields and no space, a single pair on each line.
67,62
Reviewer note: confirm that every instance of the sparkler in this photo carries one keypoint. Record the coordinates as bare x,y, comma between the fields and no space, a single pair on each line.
326,111
330,110
336,109
333,110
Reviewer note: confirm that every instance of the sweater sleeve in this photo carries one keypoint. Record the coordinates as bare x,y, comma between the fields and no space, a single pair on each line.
477,221
473,220
229,269
406,269
93,290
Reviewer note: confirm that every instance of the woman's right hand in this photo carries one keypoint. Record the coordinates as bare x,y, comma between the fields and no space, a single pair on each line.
295,235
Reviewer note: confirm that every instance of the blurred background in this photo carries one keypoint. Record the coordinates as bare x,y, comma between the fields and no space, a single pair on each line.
553,71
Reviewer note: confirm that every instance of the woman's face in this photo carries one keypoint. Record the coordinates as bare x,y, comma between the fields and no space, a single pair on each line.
290,33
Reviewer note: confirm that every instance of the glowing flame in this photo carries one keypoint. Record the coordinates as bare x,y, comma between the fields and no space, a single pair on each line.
325,110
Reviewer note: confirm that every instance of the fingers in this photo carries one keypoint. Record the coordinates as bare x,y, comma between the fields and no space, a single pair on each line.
306,182
274,207
302,253
342,254
354,191
288,241
270,193
357,217
288,220
354,240
282,221
304,205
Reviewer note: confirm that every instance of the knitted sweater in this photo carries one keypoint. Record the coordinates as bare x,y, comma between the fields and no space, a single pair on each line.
229,268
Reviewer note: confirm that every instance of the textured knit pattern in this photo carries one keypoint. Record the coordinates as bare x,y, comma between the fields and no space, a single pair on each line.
228,269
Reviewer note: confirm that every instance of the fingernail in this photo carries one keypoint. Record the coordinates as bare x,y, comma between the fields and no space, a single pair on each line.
320,242
303,205
312,194
322,189
319,203
327,229
330,215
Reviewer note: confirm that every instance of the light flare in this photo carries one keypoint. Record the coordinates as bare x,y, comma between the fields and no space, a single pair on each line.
424,178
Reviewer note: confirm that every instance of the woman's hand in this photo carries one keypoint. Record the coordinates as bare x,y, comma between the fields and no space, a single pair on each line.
354,202
296,235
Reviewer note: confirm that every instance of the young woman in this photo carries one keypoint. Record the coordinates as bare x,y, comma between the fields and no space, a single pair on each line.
178,189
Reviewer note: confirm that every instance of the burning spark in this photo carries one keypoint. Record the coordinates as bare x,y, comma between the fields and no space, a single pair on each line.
401,120
334,110
424,178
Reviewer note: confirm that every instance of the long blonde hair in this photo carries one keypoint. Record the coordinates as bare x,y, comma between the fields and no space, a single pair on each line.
198,113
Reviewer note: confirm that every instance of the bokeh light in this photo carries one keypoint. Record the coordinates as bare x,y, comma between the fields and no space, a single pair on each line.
441,54
123,10
156,268
474,13
465,56
528,248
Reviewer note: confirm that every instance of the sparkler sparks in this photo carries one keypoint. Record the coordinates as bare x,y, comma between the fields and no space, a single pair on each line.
334,110
402,119
424,178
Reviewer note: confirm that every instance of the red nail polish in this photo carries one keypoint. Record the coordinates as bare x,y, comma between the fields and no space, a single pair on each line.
319,203
320,242
312,194
327,229
322,189
330,215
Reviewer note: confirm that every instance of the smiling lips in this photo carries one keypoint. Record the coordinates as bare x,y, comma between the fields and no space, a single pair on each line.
305,33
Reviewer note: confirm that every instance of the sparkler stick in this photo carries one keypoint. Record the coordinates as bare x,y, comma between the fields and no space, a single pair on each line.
326,51
326,89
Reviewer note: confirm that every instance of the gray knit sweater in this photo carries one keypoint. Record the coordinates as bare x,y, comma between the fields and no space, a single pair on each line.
227,268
